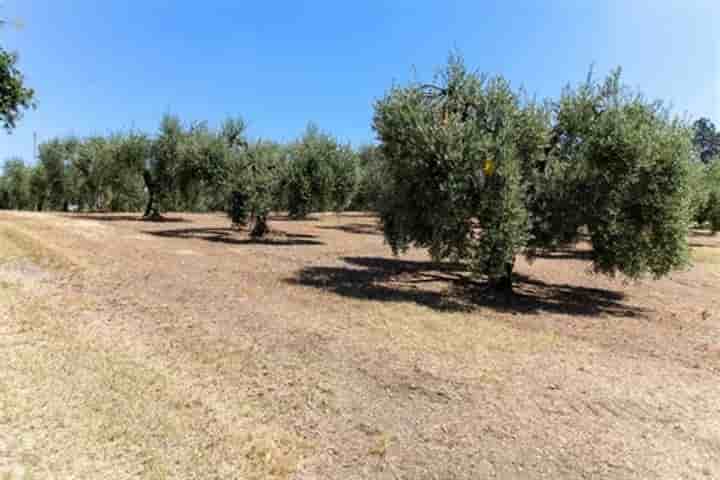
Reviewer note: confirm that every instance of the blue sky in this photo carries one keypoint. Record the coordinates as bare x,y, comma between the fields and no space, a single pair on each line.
101,66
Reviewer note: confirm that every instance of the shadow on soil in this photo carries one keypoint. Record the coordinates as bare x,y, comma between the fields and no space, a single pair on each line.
234,237
566,254
698,232
314,217
287,218
358,228
126,218
447,287
703,245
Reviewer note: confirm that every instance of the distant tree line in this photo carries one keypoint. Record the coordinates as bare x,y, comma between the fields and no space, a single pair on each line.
191,167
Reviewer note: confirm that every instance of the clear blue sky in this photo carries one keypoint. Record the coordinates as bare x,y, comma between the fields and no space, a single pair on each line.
100,66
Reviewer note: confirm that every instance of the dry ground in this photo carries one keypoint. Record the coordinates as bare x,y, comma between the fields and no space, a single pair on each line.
182,349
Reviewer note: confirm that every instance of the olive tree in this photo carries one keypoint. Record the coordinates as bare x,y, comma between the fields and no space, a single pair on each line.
57,156
124,179
187,167
345,178
38,187
322,174
706,139
109,171
201,169
478,175
256,177
92,165
161,167
454,173
632,161
14,95
711,209
96,172
16,179
370,178
699,191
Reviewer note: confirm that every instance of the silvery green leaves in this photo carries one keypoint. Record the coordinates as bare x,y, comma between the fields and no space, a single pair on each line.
454,169
631,163
478,174
322,174
14,95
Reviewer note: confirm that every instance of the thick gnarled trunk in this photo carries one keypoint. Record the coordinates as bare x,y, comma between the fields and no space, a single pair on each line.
260,228
151,210
504,284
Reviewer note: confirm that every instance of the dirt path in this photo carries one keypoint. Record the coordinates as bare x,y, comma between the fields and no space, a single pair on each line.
184,350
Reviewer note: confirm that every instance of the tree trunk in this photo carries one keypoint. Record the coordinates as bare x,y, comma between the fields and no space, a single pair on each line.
150,209
505,283
238,213
260,228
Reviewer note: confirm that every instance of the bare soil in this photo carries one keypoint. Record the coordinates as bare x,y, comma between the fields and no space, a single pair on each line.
185,349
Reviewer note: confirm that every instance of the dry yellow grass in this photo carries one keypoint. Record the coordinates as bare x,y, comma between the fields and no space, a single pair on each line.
185,350
73,409
16,244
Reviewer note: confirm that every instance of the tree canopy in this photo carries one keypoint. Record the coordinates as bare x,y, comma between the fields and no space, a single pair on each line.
706,139
322,174
15,96
478,174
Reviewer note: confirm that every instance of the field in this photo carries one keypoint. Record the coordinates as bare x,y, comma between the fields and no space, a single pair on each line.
183,349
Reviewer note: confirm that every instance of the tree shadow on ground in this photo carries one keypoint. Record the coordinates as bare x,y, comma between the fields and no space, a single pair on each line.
447,287
358,228
360,214
126,218
279,217
701,232
230,236
703,245
565,254
317,216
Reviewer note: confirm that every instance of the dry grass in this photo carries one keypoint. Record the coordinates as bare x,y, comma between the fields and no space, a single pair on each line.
16,244
185,350
73,409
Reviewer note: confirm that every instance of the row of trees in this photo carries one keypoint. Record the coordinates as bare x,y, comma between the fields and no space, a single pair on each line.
196,169
193,168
